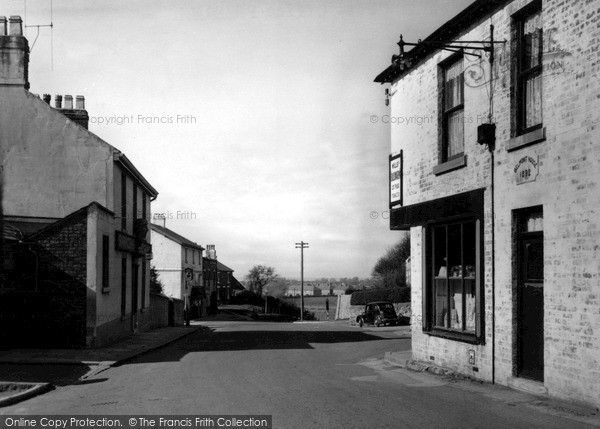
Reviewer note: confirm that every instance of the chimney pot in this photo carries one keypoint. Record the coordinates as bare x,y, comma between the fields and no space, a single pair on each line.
80,102
58,101
15,26
68,102
47,98
3,26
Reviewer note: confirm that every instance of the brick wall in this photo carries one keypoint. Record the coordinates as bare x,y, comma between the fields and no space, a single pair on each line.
67,240
567,187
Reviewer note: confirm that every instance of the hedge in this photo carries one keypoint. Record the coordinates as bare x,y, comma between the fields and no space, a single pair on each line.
395,295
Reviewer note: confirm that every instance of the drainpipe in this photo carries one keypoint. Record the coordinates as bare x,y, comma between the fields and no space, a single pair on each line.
493,250
493,254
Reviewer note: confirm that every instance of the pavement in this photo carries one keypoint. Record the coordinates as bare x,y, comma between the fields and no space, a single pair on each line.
583,413
35,365
111,355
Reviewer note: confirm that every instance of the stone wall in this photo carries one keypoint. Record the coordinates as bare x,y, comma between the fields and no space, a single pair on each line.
178,313
350,312
157,315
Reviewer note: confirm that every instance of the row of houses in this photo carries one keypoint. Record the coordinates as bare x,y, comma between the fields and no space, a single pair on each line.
315,289
494,161
202,282
77,243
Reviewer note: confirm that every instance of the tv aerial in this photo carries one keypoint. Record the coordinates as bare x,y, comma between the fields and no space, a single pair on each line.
38,26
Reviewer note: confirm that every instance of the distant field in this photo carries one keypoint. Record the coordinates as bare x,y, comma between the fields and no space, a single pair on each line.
314,301
316,305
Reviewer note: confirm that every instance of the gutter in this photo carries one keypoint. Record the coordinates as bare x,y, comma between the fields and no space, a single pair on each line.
122,160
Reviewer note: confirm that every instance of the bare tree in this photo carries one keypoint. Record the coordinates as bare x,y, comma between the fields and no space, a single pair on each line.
260,276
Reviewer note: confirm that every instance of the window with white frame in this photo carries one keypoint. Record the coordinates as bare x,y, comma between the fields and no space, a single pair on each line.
453,110
453,283
529,69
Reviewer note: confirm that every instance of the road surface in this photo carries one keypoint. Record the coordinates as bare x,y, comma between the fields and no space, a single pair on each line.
307,375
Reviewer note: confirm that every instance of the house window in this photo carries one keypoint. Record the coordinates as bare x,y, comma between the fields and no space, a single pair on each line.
135,203
123,286
454,282
186,256
453,110
144,202
105,262
123,202
529,70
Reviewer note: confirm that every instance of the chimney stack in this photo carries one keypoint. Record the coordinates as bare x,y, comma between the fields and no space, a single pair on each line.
211,252
159,218
14,53
78,114
47,98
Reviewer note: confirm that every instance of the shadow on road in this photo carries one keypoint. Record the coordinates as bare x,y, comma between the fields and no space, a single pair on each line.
58,375
253,340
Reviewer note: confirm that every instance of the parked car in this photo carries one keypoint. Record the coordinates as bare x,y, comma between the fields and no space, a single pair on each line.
380,313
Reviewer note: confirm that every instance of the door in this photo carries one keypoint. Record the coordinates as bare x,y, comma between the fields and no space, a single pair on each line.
531,306
134,296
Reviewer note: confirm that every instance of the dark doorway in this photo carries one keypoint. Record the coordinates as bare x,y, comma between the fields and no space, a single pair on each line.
530,290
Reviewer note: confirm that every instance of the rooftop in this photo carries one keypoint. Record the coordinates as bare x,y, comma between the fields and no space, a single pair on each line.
175,237
470,16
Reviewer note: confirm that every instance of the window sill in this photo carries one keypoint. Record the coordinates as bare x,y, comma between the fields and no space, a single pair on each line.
532,137
105,290
453,164
455,336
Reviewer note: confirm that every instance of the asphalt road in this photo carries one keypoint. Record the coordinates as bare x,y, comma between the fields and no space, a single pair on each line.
311,375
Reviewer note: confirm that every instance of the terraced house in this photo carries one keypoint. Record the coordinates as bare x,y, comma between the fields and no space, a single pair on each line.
178,262
494,171
78,208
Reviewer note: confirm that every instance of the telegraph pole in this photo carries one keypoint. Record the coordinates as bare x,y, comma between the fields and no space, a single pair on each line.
302,245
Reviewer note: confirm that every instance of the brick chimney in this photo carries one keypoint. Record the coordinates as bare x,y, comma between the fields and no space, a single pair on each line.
159,219
78,114
14,53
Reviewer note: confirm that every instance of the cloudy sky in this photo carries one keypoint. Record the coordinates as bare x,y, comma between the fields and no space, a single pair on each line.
250,117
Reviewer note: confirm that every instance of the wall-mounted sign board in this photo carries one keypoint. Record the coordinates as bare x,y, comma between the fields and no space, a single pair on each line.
396,179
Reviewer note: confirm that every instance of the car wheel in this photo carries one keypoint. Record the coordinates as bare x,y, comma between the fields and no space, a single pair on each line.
360,322
378,321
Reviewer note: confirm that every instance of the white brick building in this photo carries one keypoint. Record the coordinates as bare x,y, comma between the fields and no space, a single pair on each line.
178,262
505,236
